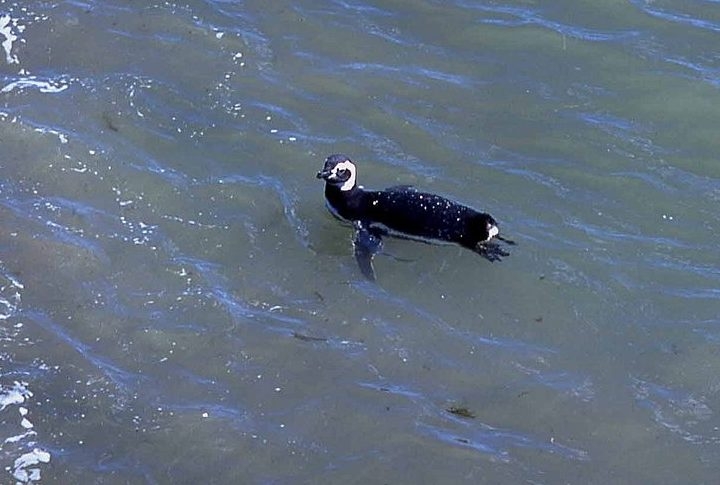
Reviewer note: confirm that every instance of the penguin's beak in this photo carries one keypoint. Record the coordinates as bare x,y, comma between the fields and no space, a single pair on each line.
324,174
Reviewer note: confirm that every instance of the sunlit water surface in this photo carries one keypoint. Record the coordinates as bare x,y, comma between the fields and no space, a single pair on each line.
177,306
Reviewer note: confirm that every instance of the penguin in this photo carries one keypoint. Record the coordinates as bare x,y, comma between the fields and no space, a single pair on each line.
403,212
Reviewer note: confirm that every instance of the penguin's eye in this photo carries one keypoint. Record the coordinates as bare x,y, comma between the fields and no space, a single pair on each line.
343,172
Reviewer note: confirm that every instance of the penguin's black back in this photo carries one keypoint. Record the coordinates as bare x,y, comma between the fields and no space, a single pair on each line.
425,216
405,212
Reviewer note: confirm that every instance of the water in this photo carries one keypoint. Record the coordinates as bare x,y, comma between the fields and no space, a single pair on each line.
178,307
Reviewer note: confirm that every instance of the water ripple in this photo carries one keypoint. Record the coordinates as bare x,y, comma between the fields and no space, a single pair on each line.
524,16
286,197
497,443
125,380
679,412
215,287
412,74
390,151
708,74
680,18
10,297
527,350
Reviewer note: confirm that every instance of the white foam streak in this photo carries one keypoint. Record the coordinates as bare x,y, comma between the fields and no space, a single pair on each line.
6,29
42,86
14,395
20,469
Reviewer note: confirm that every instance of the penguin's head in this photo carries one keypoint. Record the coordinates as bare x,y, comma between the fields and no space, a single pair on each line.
339,171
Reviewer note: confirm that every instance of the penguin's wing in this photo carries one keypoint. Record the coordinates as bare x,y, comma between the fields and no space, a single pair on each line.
366,244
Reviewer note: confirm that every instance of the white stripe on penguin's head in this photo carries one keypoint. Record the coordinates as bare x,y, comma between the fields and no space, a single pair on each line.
350,167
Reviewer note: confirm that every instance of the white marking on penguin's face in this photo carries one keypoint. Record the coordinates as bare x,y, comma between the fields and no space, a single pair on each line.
340,172
345,172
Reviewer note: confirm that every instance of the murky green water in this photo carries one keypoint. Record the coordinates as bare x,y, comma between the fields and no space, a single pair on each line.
177,305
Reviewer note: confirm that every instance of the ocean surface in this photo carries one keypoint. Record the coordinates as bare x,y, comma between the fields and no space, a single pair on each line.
178,306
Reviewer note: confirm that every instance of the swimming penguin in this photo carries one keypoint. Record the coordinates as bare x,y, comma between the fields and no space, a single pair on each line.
403,212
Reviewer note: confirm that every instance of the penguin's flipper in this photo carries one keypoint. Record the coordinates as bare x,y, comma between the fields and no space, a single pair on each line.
367,244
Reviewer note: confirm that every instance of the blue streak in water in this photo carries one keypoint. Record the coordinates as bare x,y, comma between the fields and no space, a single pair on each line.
393,389
530,17
481,443
239,418
607,234
409,72
63,233
122,378
525,348
359,7
474,434
684,19
496,442
285,196
707,74
217,289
